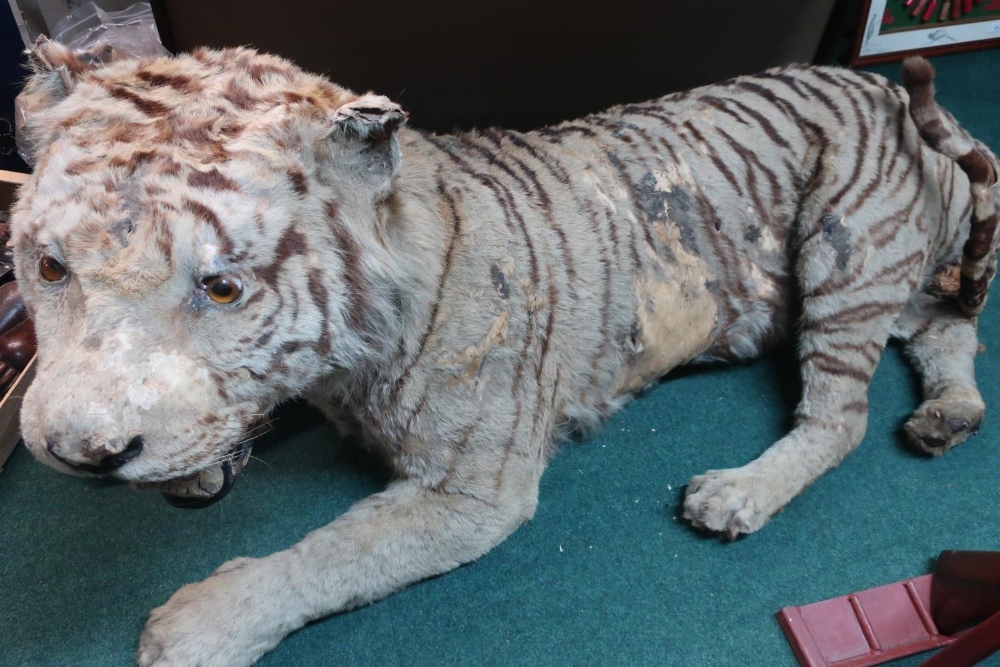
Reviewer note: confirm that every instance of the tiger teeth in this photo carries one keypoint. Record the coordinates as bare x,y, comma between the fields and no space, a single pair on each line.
204,484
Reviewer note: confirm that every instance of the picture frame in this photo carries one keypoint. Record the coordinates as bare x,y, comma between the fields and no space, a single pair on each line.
875,44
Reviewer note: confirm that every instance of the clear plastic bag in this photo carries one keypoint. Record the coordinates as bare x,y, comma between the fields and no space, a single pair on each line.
96,37
100,37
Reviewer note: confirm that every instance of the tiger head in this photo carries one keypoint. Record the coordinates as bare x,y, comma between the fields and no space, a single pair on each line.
201,239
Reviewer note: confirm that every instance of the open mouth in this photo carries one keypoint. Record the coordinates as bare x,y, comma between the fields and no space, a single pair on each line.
205,487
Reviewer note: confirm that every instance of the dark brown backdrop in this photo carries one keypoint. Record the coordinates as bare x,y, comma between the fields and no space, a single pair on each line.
517,63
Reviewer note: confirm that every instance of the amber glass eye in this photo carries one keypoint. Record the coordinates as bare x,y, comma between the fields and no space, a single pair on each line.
222,289
50,269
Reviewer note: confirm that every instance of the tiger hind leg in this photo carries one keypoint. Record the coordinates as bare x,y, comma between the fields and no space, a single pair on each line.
942,345
852,296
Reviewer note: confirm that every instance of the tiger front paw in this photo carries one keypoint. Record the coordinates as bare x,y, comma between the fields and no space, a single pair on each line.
733,502
223,621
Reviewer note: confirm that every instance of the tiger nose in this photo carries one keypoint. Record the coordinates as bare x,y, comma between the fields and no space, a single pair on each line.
99,460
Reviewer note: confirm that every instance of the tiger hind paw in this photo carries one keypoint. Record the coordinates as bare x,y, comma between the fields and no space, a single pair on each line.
942,423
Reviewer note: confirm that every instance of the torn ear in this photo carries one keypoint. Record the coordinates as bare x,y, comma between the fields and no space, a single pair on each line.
55,73
56,63
366,129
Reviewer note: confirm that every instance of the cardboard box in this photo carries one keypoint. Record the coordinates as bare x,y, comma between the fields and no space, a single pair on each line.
10,404
9,181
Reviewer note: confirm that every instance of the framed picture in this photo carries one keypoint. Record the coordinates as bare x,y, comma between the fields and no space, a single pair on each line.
893,29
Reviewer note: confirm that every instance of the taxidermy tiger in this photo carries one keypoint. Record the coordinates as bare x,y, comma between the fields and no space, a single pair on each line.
208,235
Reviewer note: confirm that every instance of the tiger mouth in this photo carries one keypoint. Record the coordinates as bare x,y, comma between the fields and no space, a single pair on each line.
205,487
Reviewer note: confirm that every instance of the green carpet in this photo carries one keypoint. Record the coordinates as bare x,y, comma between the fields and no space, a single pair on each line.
604,575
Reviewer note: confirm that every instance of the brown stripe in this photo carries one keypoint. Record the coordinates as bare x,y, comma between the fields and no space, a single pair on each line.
260,70
164,236
146,105
81,166
538,189
496,160
898,148
972,293
321,298
651,113
206,215
862,312
825,99
720,105
871,351
720,164
789,77
886,275
558,132
860,152
835,83
549,162
874,79
178,82
981,237
291,242
605,262
906,214
354,276
946,170
977,167
670,149
933,132
238,96
747,156
860,407
298,180
708,212
873,183
211,180
549,326
828,363
457,450
476,174
514,435
765,124
626,180
454,236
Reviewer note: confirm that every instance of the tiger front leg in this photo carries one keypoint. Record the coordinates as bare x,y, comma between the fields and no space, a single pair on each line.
391,539
851,298
830,422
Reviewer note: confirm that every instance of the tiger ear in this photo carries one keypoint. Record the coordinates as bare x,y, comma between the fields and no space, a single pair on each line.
365,130
55,73
55,68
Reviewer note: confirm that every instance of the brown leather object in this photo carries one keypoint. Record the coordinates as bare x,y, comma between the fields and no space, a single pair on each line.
6,260
7,377
965,589
12,310
18,345
4,233
972,646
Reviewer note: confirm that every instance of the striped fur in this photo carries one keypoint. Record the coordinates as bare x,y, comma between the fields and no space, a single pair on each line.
464,301
942,133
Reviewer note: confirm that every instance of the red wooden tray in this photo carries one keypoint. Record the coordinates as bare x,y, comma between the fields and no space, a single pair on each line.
866,628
